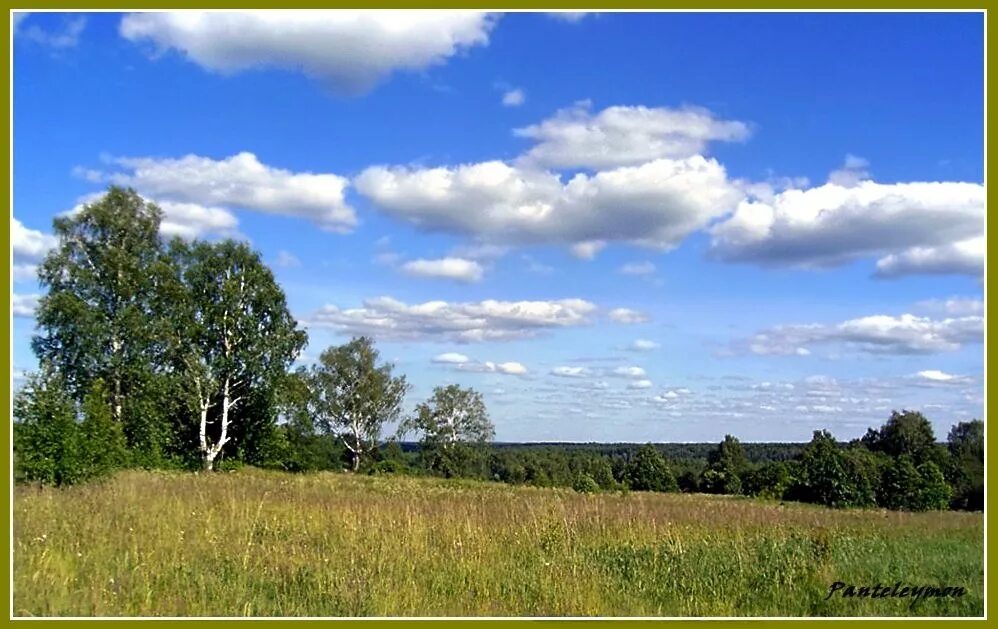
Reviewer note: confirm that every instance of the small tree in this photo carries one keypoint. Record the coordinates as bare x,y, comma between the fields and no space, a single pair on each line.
966,470
829,477
649,471
452,423
726,465
935,492
47,437
905,433
102,440
354,396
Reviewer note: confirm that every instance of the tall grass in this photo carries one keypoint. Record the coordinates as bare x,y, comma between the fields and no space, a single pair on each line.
272,544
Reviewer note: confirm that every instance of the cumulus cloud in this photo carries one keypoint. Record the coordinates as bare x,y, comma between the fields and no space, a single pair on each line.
570,372
935,375
656,204
449,268
385,318
852,172
628,372
24,305
183,220
965,257
30,245
878,334
450,358
911,227
626,315
347,51
639,384
643,345
638,268
240,181
576,137
514,97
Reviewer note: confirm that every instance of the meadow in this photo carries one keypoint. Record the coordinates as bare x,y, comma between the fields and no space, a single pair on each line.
260,543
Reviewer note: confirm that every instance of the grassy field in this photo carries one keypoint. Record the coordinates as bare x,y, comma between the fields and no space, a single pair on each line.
272,544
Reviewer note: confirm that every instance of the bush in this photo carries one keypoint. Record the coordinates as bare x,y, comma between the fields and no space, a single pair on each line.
649,471
586,484
47,437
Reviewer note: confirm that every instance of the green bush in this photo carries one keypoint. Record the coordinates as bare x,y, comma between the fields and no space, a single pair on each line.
586,484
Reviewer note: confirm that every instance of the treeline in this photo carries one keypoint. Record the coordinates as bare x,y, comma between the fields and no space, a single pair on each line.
178,355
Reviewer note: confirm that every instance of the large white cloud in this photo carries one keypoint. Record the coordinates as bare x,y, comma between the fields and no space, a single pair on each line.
385,318
447,268
237,182
656,204
911,227
965,257
348,51
576,137
878,334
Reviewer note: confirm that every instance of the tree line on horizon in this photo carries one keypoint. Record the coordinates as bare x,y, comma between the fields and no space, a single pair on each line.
179,354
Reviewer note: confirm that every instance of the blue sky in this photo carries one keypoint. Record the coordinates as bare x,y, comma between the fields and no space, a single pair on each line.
617,226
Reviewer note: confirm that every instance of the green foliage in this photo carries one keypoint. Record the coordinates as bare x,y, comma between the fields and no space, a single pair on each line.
966,470
906,433
649,471
725,468
102,441
585,484
830,477
47,437
769,480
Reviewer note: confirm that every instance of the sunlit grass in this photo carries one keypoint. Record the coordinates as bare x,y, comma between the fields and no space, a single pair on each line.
272,544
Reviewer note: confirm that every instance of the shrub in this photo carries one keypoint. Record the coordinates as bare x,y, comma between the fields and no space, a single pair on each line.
649,471
586,484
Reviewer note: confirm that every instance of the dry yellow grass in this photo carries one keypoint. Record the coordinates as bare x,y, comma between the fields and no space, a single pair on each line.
271,544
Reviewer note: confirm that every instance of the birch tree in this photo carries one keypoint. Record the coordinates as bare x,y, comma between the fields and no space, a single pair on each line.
232,335
97,319
451,424
355,397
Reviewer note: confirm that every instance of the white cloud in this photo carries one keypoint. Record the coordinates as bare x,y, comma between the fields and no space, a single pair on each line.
879,334
191,220
450,358
240,181
510,368
570,372
182,220
852,172
385,318
68,36
24,305
956,306
639,384
588,249
656,204
638,268
347,51
448,268
643,345
30,245
628,372
935,375
965,257
624,136
922,226
514,97
287,259
626,315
